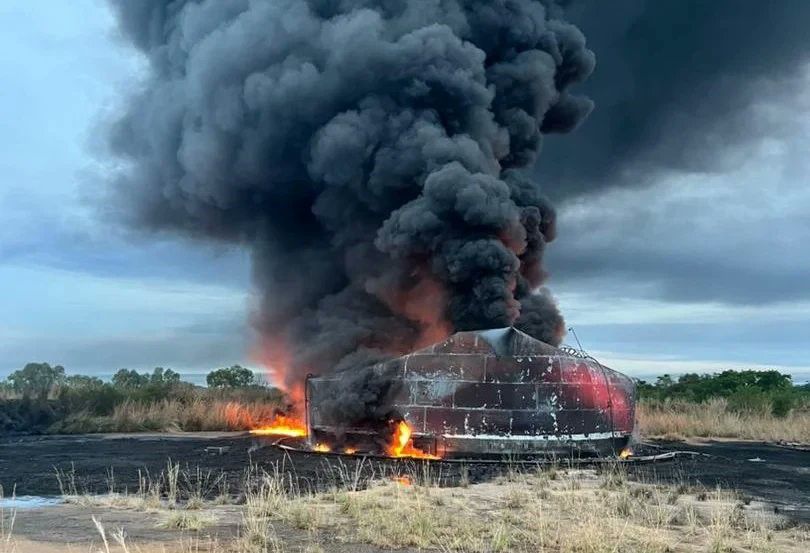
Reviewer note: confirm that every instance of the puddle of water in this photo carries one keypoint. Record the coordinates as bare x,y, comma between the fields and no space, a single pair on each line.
28,502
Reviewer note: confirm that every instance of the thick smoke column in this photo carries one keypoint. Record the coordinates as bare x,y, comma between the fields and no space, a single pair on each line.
367,152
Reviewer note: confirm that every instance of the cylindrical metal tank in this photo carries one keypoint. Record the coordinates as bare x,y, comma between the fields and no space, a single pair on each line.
500,392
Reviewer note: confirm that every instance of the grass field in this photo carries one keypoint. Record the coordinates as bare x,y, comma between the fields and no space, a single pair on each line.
714,419
568,511
195,415
669,419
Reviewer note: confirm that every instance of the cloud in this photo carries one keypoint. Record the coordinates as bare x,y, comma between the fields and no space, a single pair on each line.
673,86
738,237
64,69
94,324
179,349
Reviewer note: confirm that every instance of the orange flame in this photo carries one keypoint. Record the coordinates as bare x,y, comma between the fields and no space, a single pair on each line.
403,480
282,425
273,354
350,450
401,445
626,453
322,448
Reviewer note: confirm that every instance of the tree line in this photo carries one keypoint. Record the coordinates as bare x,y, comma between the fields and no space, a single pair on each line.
40,394
744,390
41,380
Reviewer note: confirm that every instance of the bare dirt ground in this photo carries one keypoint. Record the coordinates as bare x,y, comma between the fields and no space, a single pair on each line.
70,528
71,525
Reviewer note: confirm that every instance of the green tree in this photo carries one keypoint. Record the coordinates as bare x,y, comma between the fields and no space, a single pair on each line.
664,381
231,377
37,380
164,377
80,381
129,380
145,387
749,390
81,393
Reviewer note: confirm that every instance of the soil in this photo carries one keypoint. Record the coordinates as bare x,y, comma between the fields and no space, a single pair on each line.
776,475
70,528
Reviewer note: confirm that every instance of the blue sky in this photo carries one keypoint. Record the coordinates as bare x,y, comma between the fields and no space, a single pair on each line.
728,289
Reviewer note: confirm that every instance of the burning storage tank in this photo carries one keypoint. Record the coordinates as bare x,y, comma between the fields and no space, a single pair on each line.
492,393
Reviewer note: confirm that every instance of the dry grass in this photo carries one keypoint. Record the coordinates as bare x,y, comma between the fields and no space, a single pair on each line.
7,519
187,520
116,541
193,416
172,489
564,511
578,511
713,419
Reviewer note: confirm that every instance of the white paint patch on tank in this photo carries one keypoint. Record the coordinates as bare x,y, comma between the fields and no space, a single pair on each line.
516,438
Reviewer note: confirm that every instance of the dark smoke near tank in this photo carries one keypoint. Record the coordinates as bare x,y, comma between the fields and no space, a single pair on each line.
369,153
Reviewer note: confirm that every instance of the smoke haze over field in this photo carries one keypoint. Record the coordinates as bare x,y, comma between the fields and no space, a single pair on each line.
368,154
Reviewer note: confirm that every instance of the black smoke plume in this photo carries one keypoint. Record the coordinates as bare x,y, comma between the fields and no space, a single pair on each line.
368,152
362,398
674,84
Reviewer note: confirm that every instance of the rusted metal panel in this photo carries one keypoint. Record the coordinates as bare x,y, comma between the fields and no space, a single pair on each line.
503,391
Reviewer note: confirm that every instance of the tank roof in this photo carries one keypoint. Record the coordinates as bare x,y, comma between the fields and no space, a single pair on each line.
501,342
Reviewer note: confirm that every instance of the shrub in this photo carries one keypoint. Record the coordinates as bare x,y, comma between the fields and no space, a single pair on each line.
695,387
782,404
36,380
767,392
749,400
145,387
82,393
231,377
26,415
